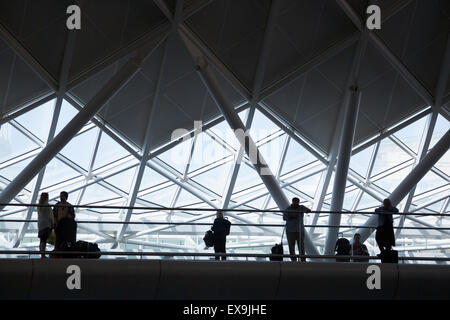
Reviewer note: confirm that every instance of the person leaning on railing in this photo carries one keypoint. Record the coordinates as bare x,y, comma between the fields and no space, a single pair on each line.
385,231
295,228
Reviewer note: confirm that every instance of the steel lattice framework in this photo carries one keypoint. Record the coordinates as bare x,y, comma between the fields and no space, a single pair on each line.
152,178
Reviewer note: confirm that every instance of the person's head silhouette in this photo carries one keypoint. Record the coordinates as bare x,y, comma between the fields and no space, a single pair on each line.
63,196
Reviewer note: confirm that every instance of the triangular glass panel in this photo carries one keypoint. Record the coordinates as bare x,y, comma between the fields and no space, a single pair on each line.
66,114
108,151
187,199
162,197
412,134
38,120
246,178
428,182
391,181
360,161
441,127
177,156
123,180
207,151
262,127
272,151
349,199
296,157
389,155
367,203
57,172
13,143
309,185
215,179
444,163
96,193
80,148
150,178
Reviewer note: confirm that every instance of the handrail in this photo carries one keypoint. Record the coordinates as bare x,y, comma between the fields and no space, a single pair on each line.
198,254
234,224
216,209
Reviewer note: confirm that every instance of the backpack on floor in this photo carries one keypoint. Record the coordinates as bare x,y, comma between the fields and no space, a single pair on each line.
278,249
87,247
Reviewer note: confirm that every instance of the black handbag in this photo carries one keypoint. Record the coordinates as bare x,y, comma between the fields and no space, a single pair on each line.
209,238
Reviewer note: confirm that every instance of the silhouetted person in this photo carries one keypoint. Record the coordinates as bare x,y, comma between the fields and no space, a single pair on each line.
221,229
66,227
295,229
358,249
385,230
45,222
342,248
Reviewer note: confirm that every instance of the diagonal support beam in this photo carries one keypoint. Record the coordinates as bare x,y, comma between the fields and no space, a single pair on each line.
109,90
352,100
439,149
208,77
67,61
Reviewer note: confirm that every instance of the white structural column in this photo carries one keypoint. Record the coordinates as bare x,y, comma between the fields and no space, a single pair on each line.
147,140
439,149
109,90
343,162
352,100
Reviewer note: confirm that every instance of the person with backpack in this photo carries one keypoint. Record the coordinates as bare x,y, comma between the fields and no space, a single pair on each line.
65,225
220,228
295,229
342,248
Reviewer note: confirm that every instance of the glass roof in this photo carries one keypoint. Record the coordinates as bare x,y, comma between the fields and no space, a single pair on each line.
95,169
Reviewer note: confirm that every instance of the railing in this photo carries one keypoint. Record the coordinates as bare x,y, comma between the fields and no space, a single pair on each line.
235,255
216,209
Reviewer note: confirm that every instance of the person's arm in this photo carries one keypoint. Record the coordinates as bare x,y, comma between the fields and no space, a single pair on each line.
214,227
72,212
55,209
305,209
364,249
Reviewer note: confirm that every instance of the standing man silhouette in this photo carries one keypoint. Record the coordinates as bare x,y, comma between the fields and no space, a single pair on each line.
295,229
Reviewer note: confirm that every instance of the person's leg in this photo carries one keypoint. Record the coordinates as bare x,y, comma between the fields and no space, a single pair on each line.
291,243
42,246
302,244
379,239
224,250
217,248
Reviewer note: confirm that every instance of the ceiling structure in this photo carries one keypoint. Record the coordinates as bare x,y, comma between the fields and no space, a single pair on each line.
299,100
